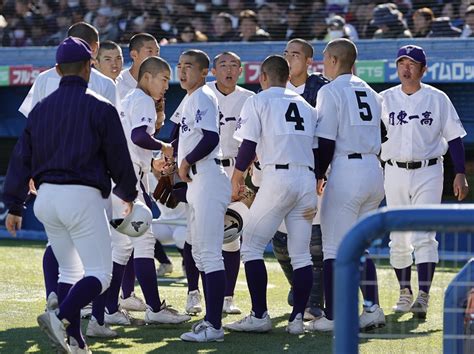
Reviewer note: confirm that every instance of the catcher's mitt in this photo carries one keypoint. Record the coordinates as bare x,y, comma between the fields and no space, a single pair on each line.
248,196
163,192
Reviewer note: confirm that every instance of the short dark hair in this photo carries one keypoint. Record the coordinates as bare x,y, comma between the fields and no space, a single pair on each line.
232,54
277,68
226,17
153,65
73,68
305,45
85,31
138,41
201,57
107,45
344,50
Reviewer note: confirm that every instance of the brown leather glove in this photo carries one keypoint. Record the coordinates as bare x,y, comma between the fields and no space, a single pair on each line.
163,193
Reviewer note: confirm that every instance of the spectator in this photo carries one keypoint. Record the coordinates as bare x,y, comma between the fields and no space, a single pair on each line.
389,21
63,21
269,20
223,31
39,33
422,19
235,9
297,23
362,18
104,23
249,29
337,28
92,6
47,10
319,26
451,9
188,34
468,30
200,22
21,34
442,27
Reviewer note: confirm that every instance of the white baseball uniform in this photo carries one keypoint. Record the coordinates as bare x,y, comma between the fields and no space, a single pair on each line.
48,81
349,113
419,127
209,191
125,83
283,124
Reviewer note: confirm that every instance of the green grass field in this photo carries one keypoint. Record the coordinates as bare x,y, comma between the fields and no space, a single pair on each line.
22,299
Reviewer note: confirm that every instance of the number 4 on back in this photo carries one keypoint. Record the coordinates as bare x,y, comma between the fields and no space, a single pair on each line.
293,115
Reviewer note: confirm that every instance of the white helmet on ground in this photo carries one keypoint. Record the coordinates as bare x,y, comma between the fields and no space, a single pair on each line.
235,220
136,223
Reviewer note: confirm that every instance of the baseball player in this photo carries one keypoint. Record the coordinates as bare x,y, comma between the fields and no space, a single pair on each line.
138,121
109,59
283,124
70,166
421,124
349,139
209,191
299,54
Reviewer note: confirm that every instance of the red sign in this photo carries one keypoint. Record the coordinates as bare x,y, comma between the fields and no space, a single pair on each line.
24,75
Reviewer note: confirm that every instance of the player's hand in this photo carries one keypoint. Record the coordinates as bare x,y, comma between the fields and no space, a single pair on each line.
32,187
238,185
320,187
184,170
158,164
13,223
128,208
167,150
460,186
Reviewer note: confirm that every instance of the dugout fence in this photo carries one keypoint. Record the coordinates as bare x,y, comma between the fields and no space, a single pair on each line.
455,221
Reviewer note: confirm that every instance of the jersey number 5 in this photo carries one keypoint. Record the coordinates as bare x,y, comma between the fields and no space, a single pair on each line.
364,108
293,115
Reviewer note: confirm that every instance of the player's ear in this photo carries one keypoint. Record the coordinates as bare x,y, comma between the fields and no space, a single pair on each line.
213,71
309,61
133,54
204,72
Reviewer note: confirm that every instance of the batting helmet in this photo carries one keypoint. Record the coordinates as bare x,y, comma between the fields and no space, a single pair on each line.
235,220
136,223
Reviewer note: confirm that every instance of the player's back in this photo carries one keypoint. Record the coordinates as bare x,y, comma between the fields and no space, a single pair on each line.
349,112
285,123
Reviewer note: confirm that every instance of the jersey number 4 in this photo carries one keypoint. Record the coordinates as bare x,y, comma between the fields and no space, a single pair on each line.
293,115
364,108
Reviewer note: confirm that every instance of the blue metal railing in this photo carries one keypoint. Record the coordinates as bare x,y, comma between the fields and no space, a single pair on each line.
444,218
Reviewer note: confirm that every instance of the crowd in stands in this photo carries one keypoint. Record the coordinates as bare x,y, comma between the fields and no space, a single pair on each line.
45,22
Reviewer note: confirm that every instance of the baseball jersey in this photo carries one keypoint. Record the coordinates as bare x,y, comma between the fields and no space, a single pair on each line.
125,83
419,125
229,111
48,81
197,111
282,123
298,89
349,113
138,109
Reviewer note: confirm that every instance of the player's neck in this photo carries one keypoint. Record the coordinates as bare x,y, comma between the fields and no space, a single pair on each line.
190,90
410,89
299,80
224,90
134,71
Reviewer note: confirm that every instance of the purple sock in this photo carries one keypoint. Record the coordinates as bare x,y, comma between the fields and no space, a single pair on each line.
232,266
204,286
404,277
50,271
192,273
257,280
74,330
98,307
181,252
215,287
425,276
111,302
369,287
63,291
160,253
328,271
302,284
83,292
146,275
128,280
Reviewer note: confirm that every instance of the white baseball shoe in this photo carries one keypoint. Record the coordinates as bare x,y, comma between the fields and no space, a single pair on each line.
404,302
75,347
164,268
296,326
193,303
165,315
55,329
372,317
121,318
420,306
132,303
52,302
310,314
203,331
94,329
320,324
86,311
251,323
229,306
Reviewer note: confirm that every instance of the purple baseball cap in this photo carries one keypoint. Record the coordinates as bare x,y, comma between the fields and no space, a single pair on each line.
413,52
73,49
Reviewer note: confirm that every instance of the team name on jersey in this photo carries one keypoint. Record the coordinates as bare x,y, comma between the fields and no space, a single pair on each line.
403,118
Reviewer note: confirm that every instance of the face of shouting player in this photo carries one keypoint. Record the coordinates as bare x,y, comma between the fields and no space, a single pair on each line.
156,86
297,59
410,72
191,75
149,49
227,71
110,63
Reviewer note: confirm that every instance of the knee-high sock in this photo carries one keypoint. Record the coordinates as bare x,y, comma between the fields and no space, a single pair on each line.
98,307
404,277
146,275
181,252
63,291
232,266
328,287
257,280
128,280
83,292
215,286
111,302
204,285
425,276
192,273
160,253
50,271
369,286
302,284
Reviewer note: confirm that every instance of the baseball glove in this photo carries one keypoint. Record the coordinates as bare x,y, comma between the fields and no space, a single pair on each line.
248,196
163,192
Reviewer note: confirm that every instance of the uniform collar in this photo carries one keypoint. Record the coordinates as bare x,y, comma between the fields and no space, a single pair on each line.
72,80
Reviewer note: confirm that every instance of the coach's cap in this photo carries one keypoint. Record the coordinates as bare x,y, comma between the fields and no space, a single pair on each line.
412,52
73,49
